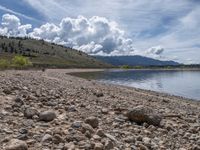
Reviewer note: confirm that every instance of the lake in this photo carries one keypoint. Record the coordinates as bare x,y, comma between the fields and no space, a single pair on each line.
180,83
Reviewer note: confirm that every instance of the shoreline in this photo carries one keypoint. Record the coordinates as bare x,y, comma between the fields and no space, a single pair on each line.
73,100
75,72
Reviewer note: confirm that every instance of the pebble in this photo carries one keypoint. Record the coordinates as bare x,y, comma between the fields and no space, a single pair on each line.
130,139
76,124
93,121
87,127
69,146
96,137
109,145
100,133
143,147
30,112
46,138
98,146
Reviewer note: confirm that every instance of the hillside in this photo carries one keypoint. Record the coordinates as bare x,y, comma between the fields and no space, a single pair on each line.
44,54
134,61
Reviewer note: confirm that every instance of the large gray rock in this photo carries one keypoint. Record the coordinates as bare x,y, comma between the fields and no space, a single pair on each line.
47,116
141,114
15,144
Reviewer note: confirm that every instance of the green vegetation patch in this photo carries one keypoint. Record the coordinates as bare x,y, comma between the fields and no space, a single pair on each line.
126,67
21,61
15,62
4,63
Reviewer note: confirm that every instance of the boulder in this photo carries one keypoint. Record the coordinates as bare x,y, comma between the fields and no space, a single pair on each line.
141,114
47,116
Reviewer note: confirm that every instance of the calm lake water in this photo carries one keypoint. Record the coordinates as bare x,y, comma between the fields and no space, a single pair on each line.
180,83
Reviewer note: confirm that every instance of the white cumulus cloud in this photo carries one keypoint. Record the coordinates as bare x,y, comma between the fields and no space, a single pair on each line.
11,26
93,35
157,50
89,35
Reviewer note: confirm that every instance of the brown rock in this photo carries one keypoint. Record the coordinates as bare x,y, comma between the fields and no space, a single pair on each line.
15,144
30,112
143,114
98,146
109,145
93,121
142,147
100,133
87,127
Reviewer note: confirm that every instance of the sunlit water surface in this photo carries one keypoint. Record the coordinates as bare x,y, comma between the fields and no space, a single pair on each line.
180,83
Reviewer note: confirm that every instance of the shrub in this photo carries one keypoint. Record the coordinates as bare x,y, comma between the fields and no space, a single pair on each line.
125,67
138,67
4,63
20,61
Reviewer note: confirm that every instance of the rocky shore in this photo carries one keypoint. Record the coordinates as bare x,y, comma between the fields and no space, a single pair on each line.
53,110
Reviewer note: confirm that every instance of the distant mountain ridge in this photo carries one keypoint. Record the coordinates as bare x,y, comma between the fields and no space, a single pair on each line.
135,60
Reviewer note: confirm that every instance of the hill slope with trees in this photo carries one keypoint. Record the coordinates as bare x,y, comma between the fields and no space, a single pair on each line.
44,54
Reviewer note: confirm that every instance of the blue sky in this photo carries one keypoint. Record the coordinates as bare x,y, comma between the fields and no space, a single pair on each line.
162,29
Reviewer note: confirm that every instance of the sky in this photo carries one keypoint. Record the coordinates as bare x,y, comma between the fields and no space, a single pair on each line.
161,29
